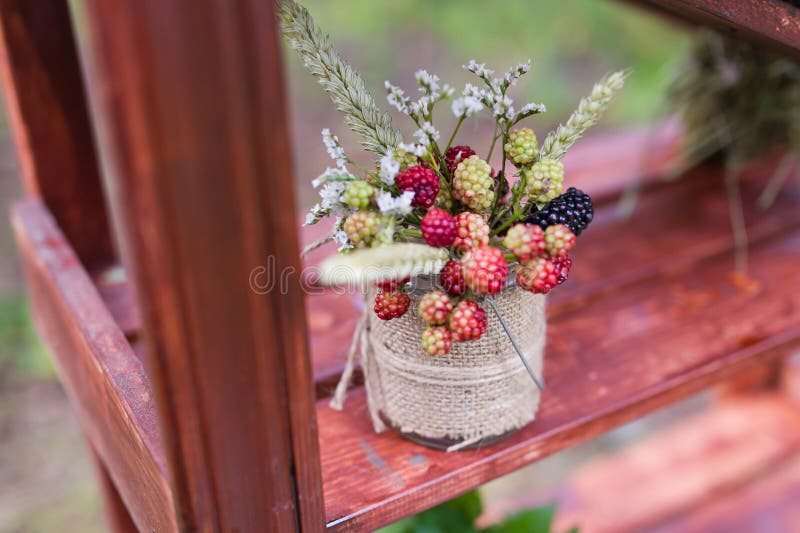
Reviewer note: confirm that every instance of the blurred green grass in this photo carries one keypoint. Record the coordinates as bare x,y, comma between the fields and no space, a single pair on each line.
22,355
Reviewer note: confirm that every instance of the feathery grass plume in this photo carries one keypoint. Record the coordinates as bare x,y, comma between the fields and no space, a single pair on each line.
589,111
394,261
344,85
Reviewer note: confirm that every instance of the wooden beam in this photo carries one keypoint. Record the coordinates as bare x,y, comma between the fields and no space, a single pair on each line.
771,23
47,109
194,107
103,378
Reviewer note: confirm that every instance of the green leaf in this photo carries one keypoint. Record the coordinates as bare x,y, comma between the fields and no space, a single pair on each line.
538,520
455,516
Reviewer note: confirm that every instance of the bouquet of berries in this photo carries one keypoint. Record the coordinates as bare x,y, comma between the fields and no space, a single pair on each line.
436,208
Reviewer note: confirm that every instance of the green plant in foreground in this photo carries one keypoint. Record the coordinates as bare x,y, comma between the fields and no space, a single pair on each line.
460,514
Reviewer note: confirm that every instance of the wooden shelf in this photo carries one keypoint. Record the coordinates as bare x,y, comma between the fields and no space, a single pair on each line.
731,464
651,314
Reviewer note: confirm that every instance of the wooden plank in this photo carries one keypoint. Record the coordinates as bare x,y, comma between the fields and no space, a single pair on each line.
683,467
47,109
771,23
194,108
612,360
767,505
117,515
105,381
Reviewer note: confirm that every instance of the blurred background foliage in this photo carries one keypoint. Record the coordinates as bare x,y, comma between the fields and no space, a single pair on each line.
45,475
572,44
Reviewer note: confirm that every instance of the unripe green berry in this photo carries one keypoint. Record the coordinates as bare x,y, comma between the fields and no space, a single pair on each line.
473,185
363,228
545,180
358,194
521,146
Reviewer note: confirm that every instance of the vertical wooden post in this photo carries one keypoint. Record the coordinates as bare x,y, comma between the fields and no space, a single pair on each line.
194,109
47,108
117,515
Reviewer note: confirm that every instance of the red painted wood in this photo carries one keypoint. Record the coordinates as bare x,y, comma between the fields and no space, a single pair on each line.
679,470
609,361
117,514
47,109
194,108
770,23
103,378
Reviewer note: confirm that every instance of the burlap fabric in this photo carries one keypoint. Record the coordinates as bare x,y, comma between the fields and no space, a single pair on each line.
478,391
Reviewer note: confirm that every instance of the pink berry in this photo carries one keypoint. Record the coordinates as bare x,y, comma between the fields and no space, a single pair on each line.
391,304
451,277
439,228
436,340
434,308
467,322
485,270
472,230
423,181
455,155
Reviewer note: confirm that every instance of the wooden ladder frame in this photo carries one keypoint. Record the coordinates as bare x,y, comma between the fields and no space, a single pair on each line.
207,422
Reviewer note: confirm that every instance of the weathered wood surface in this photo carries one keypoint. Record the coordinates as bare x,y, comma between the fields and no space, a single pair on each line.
680,469
771,23
103,378
192,103
47,109
609,361
768,505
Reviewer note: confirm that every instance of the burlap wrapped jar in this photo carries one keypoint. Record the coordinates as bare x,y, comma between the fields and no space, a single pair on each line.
475,395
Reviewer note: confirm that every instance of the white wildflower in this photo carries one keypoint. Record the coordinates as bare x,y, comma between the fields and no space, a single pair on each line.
515,73
430,131
479,69
334,148
389,167
332,174
418,150
397,98
530,109
331,194
466,106
314,214
390,205
428,83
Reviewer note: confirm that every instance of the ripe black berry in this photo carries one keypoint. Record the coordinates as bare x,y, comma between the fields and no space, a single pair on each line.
573,208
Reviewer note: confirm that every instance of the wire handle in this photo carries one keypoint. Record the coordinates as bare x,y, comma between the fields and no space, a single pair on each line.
539,382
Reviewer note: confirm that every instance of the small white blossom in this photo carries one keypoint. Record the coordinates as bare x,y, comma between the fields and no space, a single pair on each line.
418,150
331,193
334,148
515,73
479,69
314,215
428,83
529,109
397,98
389,167
430,131
466,106
332,174
390,205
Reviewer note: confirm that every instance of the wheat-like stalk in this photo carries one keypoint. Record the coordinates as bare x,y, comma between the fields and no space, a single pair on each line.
344,85
394,261
589,111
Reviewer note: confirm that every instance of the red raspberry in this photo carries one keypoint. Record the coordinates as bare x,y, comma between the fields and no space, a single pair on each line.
559,240
439,228
472,231
391,304
423,181
391,284
436,341
451,278
485,270
434,308
564,264
539,275
525,242
468,321
455,155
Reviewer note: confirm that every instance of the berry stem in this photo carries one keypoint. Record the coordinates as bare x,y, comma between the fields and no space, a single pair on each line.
453,136
494,141
412,233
